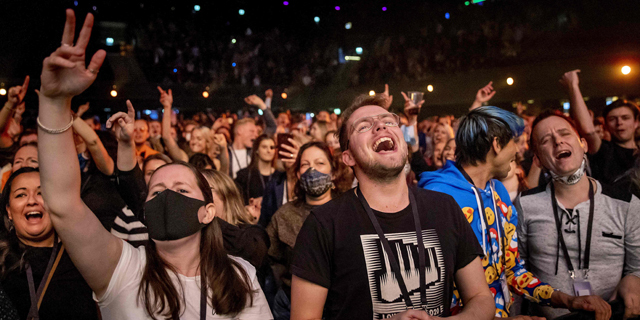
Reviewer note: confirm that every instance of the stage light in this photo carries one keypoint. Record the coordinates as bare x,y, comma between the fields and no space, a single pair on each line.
352,58
284,95
372,93
175,70
530,101
566,105
75,3
312,114
447,15
147,112
626,70
114,93
510,81
359,50
286,3
241,12
205,94
109,42
384,8
233,64
337,8
260,112
337,111
430,88
316,19
95,8
233,40
196,7
3,92
466,3
348,25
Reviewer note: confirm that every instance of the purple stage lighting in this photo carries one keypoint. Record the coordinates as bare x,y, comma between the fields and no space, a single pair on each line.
384,8
337,8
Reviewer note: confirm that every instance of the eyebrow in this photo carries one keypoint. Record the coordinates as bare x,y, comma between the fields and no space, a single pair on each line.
23,188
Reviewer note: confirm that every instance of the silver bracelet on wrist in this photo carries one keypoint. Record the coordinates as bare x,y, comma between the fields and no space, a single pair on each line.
54,131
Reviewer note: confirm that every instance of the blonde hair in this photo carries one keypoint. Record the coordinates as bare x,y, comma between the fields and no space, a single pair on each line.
235,211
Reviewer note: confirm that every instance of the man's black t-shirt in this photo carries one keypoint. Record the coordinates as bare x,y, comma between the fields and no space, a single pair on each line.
339,249
611,162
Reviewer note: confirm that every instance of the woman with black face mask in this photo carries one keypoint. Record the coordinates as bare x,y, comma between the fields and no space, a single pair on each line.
184,272
315,169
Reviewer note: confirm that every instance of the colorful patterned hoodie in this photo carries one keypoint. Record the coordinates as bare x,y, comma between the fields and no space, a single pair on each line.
450,180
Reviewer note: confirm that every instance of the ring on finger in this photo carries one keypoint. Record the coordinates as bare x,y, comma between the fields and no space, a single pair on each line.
92,71
66,45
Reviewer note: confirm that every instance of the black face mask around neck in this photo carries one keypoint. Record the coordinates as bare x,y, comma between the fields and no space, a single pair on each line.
172,216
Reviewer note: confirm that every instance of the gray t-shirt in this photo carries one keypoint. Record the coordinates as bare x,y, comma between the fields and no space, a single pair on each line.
615,240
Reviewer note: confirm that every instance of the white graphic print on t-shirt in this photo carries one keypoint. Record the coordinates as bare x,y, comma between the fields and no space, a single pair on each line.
386,296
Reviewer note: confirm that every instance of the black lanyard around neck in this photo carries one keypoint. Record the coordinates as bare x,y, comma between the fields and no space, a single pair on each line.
565,252
36,296
203,298
395,267
483,216
235,156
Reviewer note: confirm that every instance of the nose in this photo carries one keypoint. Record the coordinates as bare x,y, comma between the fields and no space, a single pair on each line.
379,125
32,201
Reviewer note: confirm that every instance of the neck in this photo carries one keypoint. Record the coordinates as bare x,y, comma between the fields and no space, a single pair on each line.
182,254
389,196
572,195
629,144
46,243
238,145
480,174
264,167
322,199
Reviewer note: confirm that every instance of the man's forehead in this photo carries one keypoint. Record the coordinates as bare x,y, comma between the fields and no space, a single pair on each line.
551,123
366,111
620,111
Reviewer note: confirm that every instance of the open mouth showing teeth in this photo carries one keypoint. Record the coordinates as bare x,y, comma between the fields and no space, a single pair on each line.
34,215
563,154
383,144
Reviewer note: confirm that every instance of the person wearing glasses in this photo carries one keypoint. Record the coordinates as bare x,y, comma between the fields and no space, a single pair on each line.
384,250
253,179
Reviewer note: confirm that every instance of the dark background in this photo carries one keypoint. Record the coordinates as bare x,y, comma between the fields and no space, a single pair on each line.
598,37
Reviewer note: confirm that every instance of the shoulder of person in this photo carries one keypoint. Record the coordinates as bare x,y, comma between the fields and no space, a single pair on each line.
533,191
248,267
616,192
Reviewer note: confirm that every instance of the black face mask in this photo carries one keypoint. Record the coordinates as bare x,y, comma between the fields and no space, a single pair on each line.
172,216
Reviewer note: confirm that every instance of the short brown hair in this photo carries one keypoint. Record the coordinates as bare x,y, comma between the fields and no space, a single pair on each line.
361,101
545,115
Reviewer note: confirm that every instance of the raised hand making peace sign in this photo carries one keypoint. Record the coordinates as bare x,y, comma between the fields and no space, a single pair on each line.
64,74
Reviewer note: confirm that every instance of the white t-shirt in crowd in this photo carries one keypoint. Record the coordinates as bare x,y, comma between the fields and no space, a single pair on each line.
239,160
121,301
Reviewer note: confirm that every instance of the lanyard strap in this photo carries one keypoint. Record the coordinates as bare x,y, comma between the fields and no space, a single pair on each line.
562,244
203,297
395,267
36,296
233,150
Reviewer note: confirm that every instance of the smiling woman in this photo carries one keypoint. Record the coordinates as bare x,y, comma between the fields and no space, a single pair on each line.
28,249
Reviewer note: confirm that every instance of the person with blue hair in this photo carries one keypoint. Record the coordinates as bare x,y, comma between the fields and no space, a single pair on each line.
485,149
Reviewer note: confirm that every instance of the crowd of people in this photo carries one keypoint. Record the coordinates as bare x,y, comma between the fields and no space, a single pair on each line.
175,49
370,214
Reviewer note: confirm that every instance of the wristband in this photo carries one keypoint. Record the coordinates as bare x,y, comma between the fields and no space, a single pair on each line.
54,131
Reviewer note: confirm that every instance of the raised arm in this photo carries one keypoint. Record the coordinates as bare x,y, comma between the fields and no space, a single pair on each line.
15,98
166,99
94,251
219,139
579,112
483,95
99,153
269,119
